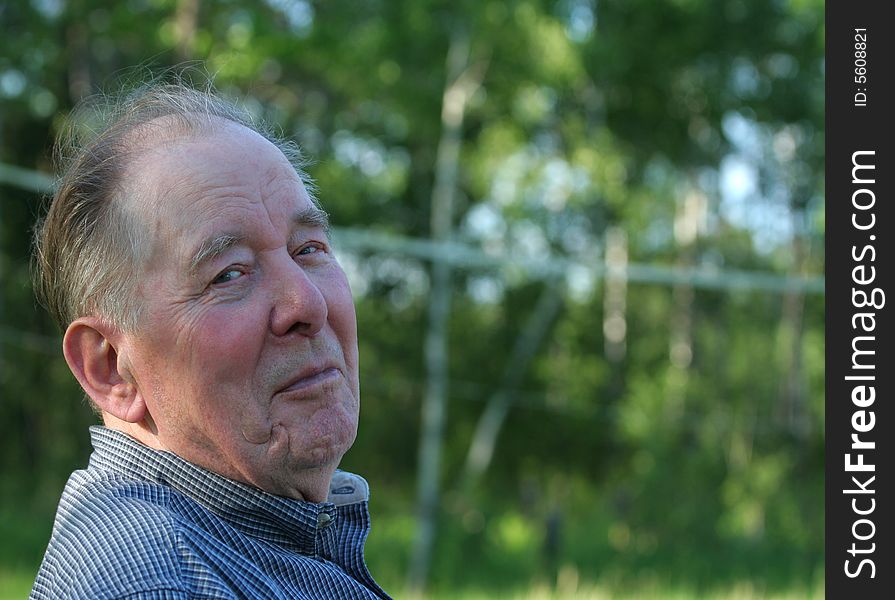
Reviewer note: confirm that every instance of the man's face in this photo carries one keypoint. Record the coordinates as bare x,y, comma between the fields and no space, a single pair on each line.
247,352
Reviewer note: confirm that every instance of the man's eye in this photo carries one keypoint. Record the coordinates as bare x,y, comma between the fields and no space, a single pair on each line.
309,250
227,276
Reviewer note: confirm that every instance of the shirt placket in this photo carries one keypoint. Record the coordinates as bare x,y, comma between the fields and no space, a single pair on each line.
325,535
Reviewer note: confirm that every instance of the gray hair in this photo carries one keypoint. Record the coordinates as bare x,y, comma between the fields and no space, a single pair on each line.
88,249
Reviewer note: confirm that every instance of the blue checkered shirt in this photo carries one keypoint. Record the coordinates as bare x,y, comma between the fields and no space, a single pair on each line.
143,524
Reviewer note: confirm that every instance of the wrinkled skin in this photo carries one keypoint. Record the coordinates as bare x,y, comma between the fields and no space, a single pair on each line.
247,363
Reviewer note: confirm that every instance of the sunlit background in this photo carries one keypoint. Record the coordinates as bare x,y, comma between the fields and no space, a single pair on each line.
586,243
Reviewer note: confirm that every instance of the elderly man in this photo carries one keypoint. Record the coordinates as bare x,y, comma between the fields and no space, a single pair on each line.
211,326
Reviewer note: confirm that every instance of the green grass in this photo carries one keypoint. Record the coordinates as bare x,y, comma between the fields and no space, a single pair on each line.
744,591
15,583
23,538
499,557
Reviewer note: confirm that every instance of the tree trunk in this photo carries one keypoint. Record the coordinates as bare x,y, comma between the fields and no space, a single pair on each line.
790,334
615,323
462,81
481,449
80,82
185,20
689,217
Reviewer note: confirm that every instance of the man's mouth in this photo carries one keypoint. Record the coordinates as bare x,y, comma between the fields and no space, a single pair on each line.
310,379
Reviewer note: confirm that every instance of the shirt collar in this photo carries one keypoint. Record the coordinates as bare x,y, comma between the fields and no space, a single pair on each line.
306,527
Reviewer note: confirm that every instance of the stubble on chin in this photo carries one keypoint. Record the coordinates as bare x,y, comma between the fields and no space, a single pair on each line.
287,468
292,446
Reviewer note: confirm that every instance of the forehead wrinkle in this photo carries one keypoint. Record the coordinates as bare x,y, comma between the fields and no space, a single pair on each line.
164,188
281,180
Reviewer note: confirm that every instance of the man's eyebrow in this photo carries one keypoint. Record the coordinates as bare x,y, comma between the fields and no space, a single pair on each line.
212,248
312,217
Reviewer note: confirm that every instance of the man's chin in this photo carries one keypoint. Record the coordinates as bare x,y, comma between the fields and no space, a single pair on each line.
320,456
306,483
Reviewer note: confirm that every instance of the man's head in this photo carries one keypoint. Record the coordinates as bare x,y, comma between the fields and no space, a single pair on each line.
203,309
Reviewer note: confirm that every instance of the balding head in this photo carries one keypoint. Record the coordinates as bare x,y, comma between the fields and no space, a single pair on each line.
245,358
91,244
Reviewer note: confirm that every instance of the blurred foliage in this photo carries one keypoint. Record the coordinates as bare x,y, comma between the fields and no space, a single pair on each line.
695,459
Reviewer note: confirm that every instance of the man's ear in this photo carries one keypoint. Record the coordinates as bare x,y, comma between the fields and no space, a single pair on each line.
91,348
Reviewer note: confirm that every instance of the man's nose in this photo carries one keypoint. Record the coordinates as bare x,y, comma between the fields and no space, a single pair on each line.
299,306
